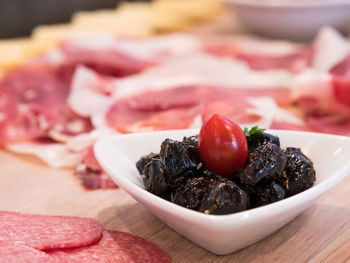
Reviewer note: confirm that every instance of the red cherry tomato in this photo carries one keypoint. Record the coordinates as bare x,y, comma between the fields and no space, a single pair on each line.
222,145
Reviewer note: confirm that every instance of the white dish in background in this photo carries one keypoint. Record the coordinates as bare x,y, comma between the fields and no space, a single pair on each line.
292,19
224,234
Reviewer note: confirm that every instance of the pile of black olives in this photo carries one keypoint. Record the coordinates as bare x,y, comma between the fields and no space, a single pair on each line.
270,174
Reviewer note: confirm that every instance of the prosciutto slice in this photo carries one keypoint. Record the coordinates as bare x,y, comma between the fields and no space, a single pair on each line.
33,102
213,71
121,57
90,172
262,55
106,62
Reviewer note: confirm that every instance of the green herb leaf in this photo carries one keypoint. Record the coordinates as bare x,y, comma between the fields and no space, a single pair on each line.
252,131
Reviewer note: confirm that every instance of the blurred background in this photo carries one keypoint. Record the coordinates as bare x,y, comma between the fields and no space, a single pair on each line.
19,17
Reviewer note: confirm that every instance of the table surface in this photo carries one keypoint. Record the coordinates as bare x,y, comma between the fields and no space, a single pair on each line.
321,234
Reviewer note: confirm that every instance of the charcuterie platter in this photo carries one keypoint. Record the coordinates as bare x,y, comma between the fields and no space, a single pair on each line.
57,104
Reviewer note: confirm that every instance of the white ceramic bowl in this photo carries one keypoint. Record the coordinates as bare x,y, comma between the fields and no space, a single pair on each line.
292,19
223,234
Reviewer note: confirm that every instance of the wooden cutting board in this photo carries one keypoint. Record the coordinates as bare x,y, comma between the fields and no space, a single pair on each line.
322,233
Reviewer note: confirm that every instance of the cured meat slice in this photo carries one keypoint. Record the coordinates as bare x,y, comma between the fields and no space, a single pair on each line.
125,119
289,126
262,55
178,108
325,116
238,112
89,159
118,247
94,179
341,88
330,49
250,111
91,173
294,63
156,48
54,154
342,69
109,62
32,102
201,70
157,110
13,253
48,232
171,98
88,91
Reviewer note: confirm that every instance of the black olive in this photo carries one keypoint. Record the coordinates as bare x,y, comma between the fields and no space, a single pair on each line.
258,139
193,193
268,192
141,163
155,179
178,160
265,162
299,171
270,174
192,140
224,197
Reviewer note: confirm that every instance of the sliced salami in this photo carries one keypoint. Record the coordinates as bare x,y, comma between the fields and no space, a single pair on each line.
12,253
48,232
118,247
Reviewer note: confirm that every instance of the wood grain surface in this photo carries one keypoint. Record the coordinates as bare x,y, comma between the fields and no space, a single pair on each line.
321,234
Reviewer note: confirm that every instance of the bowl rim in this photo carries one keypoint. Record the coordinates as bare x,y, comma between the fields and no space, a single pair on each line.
288,3
246,215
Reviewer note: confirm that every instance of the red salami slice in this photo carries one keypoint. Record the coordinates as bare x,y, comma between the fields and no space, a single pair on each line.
48,232
117,247
12,253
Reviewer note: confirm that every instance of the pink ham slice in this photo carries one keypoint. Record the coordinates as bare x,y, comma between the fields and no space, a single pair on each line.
32,102
48,232
13,253
118,247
